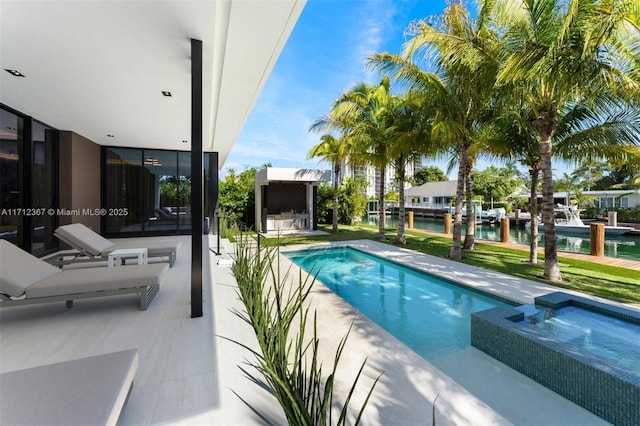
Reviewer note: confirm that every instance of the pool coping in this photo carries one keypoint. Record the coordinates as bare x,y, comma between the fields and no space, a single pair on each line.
455,404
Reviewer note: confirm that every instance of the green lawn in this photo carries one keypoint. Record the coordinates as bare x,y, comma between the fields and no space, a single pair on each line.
610,282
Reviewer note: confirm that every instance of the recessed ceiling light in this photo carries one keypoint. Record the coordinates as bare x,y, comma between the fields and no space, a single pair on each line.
166,93
14,73
110,136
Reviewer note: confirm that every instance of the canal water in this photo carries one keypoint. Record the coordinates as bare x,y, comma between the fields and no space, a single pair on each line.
623,246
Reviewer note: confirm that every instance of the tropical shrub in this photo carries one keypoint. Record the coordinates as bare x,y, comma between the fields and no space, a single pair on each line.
325,203
237,195
352,201
629,215
280,319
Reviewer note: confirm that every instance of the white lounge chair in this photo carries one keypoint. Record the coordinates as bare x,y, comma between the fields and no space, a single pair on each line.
25,279
90,246
86,391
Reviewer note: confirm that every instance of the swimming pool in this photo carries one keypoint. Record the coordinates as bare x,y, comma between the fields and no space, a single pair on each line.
429,314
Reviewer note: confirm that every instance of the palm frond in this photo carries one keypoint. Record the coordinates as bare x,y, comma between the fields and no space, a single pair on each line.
600,133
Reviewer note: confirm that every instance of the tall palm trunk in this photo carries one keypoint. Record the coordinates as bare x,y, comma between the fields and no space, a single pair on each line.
381,209
533,208
401,237
336,174
470,236
546,126
456,248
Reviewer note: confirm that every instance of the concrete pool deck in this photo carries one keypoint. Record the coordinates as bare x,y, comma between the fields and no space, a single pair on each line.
472,387
191,373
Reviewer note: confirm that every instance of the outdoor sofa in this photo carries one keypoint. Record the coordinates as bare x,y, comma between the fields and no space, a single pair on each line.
90,246
86,391
25,279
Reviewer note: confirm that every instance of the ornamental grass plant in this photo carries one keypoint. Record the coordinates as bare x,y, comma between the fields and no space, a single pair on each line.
286,331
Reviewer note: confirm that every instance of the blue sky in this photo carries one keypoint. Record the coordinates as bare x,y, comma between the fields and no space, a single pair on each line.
323,58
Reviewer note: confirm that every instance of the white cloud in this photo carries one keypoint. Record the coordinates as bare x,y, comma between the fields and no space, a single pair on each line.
297,93
375,23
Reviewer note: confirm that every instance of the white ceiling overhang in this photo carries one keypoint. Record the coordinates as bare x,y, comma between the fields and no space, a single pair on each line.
98,68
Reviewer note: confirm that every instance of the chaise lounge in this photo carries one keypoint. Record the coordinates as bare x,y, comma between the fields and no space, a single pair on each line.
90,246
25,279
86,391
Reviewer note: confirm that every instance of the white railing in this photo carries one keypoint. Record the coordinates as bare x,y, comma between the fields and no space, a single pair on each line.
427,205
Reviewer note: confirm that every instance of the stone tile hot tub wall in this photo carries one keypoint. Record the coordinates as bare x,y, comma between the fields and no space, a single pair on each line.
610,392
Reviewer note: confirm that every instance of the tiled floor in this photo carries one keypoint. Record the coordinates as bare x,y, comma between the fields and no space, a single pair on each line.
190,369
187,371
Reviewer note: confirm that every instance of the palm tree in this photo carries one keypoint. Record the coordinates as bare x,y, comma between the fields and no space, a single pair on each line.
569,183
335,151
559,54
410,140
589,170
583,134
366,113
458,92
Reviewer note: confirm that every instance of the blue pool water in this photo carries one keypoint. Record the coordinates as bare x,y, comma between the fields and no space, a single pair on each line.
428,314
615,341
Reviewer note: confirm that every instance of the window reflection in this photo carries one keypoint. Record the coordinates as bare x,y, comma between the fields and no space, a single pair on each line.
122,189
43,187
10,169
28,182
184,182
155,187
162,205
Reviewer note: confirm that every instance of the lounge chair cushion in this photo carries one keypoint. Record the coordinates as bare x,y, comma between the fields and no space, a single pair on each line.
76,281
79,235
19,269
86,391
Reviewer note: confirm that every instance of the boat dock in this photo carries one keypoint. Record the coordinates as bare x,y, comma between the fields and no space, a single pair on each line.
604,260
439,212
429,212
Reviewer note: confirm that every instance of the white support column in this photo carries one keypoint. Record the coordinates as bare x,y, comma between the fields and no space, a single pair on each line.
258,197
310,206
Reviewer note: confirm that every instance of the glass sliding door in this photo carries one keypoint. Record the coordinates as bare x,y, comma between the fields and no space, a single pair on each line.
28,182
43,187
184,182
162,191
11,169
153,185
122,190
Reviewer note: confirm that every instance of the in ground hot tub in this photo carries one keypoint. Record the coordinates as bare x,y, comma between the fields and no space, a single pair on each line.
588,352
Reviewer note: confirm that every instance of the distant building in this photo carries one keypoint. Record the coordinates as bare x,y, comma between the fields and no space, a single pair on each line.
440,194
372,175
618,198
432,194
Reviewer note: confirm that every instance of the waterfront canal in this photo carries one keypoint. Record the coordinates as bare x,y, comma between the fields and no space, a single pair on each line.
623,246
